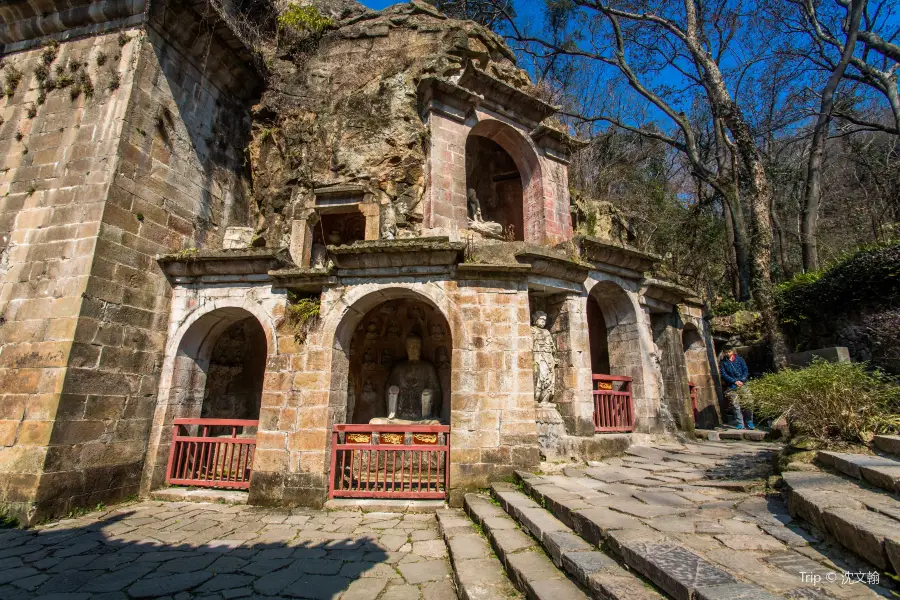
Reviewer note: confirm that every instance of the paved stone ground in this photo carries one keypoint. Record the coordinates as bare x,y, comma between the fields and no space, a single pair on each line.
186,550
711,499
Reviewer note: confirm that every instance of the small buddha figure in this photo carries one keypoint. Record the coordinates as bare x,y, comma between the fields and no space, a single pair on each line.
372,331
393,329
437,332
369,357
476,221
544,350
319,256
417,384
442,358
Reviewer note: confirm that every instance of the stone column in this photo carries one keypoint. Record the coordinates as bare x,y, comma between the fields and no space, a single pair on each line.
573,398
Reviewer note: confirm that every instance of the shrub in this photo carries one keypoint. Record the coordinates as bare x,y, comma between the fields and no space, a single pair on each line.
301,313
869,276
304,18
828,401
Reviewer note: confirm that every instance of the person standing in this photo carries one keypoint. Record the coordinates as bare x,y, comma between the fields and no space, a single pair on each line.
735,373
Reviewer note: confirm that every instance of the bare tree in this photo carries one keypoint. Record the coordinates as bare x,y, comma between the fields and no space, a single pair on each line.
876,65
813,189
695,37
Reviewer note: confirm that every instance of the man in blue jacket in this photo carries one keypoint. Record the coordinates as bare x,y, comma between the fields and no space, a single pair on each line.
735,373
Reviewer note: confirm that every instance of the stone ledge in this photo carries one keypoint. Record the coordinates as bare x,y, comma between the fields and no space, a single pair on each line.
243,261
303,279
876,470
549,265
409,252
489,271
600,251
200,495
888,443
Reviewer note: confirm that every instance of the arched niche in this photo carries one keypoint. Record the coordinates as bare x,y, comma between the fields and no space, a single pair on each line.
370,341
612,327
503,169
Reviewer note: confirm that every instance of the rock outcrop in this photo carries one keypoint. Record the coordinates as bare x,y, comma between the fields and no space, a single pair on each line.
342,108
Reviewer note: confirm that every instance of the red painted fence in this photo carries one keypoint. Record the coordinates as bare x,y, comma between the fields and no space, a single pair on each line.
390,461
211,461
692,388
613,406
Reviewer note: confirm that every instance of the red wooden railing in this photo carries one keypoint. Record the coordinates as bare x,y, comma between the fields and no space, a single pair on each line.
613,406
692,389
390,461
211,461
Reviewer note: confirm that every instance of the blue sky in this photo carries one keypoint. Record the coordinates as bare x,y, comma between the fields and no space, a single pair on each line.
378,4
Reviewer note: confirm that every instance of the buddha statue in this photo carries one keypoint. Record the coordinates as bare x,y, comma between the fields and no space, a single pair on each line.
476,220
413,388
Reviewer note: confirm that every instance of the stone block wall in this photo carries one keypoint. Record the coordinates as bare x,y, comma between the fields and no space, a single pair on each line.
675,403
492,413
574,397
100,183
59,158
701,365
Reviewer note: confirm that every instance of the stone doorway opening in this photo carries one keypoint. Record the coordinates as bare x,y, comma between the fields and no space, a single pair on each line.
497,184
214,400
615,354
379,352
394,441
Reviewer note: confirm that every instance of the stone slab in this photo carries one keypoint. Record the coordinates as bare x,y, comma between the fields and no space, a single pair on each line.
674,569
863,532
734,591
888,443
558,543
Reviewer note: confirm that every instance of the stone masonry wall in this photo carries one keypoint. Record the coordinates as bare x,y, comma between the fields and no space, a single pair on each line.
174,188
149,163
58,161
492,405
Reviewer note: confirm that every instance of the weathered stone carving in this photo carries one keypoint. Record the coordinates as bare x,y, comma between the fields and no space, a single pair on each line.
417,383
476,221
544,359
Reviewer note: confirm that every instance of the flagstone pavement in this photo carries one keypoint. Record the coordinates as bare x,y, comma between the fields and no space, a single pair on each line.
215,551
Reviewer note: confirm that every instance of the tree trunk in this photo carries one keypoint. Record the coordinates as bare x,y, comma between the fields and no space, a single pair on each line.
732,257
813,191
741,249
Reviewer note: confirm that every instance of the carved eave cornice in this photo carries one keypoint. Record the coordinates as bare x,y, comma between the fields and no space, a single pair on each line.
602,252
504,96
255,263
666,291
557,144
406,254
487,271
303,279
443,96
24,23
549,265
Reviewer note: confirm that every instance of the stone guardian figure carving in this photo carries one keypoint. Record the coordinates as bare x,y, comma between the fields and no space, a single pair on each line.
544,359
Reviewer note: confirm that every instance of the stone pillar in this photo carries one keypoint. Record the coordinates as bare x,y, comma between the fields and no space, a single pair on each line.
302,235
573,398
372,213
445,209
675,404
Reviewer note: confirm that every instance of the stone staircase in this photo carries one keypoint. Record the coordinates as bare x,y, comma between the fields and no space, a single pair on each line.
662,522
552,548
855,502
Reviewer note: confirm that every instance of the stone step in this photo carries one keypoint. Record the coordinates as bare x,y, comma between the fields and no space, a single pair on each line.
875,470
749,435
530,570
888,443
477,572
864,521
670,566
593,569
217,496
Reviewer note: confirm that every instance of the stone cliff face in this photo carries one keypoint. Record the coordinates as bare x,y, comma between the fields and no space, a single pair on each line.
343,108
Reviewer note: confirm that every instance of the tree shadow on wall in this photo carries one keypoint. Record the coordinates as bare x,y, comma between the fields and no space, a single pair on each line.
122,555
